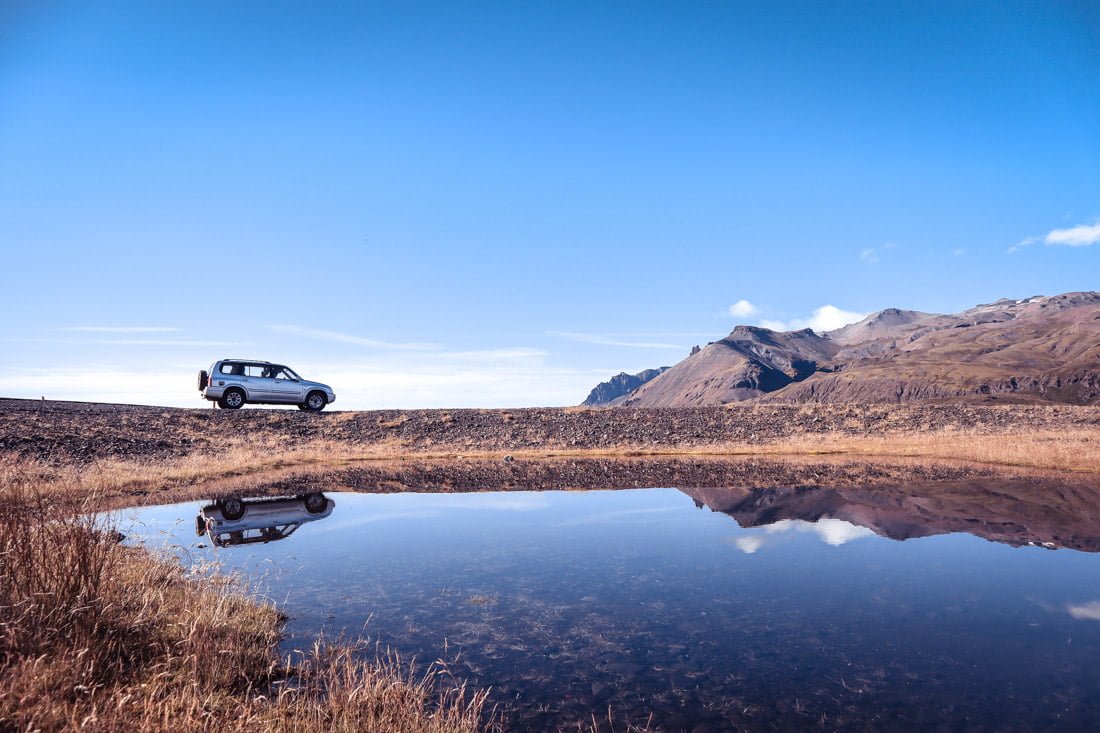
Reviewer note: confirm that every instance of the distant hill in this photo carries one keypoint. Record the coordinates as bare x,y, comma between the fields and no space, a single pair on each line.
748,363
622,384
1036,349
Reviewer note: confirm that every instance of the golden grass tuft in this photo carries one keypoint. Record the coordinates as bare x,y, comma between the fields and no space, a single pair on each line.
1074,449
96,636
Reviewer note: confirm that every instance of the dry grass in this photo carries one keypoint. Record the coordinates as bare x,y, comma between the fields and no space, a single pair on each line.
95,636
116,481
1076,450
110,477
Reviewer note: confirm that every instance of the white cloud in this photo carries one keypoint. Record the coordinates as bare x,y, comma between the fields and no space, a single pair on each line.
346,338
831,531
1085,611
1078,236
748,544
959,252
742,308
128,342
120,329
162,342
1083,235
604,339
517,352
825,318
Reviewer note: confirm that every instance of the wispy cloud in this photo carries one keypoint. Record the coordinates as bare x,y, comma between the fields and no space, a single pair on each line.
163,342
1083,235
958,252
508,353
1085,611
1078,236
127,342
825,318
347,338
743,309
873,255
606,339
120,329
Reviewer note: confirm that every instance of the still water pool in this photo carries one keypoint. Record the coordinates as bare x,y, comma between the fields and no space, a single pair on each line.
650,603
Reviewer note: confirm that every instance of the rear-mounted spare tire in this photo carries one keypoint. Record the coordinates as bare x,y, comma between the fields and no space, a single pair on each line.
204,379
315,503
232,508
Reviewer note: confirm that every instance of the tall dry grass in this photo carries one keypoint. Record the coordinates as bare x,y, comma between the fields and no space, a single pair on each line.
100,637
1074,450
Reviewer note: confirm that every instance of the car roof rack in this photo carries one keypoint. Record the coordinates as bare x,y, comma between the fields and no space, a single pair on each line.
254,361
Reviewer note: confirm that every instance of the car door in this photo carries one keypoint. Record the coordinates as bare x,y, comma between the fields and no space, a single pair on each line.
258,381
285,388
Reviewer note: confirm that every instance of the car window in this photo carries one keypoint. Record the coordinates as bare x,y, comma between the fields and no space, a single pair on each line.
255,370
231,368
284,373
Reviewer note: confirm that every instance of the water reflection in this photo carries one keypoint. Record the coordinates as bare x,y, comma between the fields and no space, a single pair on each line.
1015,513
239,521
781,609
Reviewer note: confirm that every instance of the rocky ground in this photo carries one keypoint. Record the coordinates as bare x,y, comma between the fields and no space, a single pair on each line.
82,431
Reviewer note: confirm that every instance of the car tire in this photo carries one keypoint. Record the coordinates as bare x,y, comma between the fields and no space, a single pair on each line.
315,503
232,508
302,407
204,379
233,399
315,402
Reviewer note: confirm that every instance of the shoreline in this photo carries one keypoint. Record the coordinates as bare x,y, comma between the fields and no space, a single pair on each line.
91,457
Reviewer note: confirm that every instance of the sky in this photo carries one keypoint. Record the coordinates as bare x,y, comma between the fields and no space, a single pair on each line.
503,204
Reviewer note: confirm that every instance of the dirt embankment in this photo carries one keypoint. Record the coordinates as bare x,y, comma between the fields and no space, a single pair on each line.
85,431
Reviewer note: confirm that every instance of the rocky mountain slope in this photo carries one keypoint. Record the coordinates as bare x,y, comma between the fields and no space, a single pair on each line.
1039,348
618,387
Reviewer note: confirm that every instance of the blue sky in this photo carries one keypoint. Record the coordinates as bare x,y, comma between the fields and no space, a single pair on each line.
483,204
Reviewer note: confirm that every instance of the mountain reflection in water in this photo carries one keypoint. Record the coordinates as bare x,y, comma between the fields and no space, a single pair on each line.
783,608
1050,514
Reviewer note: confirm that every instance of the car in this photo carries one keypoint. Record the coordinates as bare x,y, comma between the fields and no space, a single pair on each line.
237,521
233,383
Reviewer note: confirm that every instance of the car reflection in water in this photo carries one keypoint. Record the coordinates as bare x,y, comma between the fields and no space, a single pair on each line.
238,521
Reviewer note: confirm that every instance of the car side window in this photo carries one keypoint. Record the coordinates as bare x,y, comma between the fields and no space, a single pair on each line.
281,374
230,368
255,370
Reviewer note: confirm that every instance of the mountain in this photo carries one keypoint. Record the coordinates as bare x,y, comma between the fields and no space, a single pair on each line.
622,384
1044,348
748,363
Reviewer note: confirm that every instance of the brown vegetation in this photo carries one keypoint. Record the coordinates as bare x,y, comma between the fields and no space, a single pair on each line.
96,636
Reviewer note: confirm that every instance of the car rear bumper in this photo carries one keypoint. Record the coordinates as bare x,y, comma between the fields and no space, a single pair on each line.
213,393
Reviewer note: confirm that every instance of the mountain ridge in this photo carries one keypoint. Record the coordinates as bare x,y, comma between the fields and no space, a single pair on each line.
1041,348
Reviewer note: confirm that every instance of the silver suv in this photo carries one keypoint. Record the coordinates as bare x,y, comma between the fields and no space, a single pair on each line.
233,382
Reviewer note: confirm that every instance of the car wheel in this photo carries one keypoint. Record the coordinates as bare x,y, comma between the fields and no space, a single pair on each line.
315,401
302,407
232,508
204,379
316,503
233,399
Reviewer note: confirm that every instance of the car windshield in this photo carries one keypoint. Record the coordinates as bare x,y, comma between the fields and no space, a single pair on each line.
286,373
